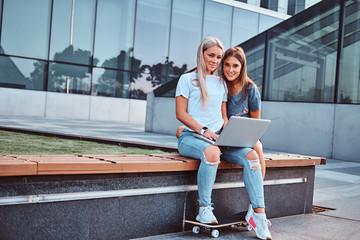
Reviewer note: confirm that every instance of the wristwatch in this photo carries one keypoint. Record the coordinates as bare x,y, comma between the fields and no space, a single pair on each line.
203,130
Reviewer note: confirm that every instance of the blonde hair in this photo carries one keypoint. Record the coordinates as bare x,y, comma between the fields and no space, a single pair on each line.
243,79
201,67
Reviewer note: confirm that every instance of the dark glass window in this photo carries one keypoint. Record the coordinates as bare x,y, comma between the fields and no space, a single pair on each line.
114,33
110,83
295,6
245,26
349,87
25,28
255,52
185,35
21,73
269,4
217,22
301,59
68,78
72,31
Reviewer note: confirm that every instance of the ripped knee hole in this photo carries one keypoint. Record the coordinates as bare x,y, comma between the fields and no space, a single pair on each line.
255,164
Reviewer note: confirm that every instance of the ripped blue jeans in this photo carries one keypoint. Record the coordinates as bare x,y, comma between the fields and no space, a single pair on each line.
190,146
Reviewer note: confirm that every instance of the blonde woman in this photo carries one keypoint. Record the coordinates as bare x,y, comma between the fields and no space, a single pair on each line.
201,106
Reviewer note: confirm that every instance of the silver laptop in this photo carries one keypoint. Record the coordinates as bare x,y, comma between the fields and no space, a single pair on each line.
240,132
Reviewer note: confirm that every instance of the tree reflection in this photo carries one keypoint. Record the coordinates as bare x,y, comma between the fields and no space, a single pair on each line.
142,80
63,76
70,78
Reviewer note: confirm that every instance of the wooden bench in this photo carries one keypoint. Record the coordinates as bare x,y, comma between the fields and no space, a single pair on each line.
28,165
131,196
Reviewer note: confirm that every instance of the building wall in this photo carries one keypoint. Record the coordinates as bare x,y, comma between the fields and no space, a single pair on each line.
326,130
18,102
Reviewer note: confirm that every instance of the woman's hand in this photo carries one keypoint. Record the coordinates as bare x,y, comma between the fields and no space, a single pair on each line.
211,135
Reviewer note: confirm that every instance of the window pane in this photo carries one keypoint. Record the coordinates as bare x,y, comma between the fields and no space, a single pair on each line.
144,82
72,35
68,79
21,73
114,33
110,83
185,36
242,32
255,53
152,35
25,28
267,22
349,86
269,4
295,6
301,60
217,22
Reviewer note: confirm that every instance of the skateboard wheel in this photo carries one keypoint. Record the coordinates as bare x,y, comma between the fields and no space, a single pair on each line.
196,229
248,227
215,233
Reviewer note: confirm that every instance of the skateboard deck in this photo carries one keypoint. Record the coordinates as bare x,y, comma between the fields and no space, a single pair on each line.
237,219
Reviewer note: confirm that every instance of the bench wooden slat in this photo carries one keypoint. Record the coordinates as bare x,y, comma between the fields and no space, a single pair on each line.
16,165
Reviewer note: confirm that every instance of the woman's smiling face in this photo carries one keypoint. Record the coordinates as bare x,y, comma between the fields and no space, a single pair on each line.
232,68
212,58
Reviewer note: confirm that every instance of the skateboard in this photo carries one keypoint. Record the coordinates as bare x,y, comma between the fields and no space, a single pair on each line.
237,219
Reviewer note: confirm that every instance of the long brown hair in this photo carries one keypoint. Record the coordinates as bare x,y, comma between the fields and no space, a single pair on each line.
239,54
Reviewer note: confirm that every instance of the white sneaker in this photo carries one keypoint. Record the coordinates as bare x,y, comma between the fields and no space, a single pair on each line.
260,224
249,213
206,215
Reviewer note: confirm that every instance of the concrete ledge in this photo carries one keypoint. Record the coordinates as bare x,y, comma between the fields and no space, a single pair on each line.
106,197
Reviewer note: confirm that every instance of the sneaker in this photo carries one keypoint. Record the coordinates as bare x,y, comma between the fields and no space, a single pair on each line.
206,215
249,213
260,224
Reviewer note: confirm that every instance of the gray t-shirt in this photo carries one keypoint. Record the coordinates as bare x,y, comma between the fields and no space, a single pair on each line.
242,108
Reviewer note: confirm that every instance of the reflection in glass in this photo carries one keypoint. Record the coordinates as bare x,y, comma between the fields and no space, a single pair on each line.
217,22
255,52
72,25
25,28
152,33
349,89
269,4
295,6
110,83
185,35
245,26
114,33
144,82
68,78
301,61
21,73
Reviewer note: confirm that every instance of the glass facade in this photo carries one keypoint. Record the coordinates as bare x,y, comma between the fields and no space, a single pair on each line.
311,57
349,87
112,48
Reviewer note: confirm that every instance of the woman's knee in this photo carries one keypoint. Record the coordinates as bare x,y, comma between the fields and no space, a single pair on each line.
212,155
179,131
253,159
258,146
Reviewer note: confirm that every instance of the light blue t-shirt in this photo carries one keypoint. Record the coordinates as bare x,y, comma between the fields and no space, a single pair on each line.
212,116
242,108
